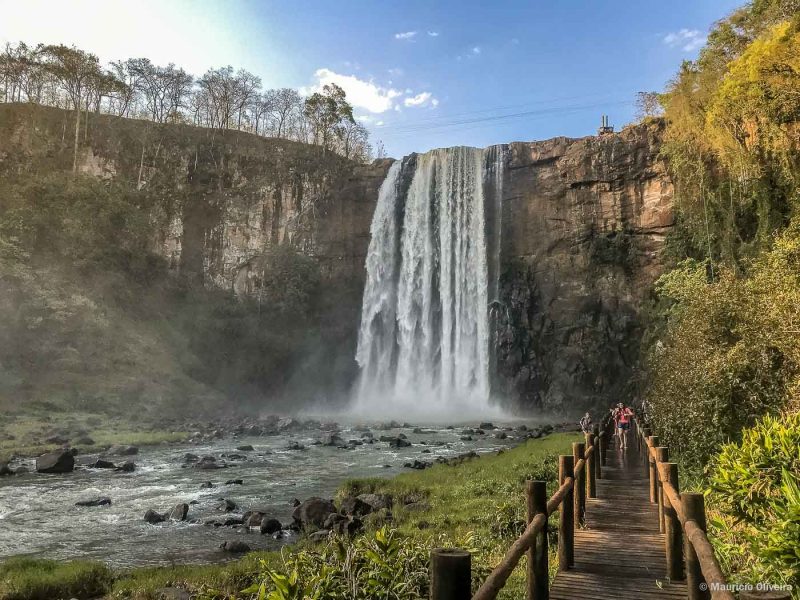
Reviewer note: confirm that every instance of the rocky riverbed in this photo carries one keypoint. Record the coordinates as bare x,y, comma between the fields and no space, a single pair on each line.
227,488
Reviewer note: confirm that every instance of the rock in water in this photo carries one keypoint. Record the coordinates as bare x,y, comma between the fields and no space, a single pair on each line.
178,513
127,467
235,547
103,501
102,464
313,511
270,526
118,450
56,462
153,517
245,448
5,469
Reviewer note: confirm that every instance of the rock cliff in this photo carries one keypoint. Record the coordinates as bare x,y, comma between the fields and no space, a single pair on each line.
583,223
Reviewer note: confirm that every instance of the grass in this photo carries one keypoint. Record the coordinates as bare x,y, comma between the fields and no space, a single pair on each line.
479,501
24,578
28,432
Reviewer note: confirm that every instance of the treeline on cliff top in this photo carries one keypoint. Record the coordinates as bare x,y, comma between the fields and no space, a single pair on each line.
722,355
222,98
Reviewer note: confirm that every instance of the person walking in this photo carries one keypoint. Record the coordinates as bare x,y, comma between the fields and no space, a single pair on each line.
586,423
622,418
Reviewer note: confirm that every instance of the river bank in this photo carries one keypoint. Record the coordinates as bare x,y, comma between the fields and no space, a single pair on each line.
475,498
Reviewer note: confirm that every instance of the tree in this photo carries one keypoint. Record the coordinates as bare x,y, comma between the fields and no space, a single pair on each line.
648,104
354,141
165,89
285,103
327,111
77,71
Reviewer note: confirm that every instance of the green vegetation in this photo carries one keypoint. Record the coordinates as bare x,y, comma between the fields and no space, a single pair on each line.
92,320
757,485
478,504
723,350
36,579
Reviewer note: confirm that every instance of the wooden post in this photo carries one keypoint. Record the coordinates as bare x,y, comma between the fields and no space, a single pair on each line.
694,509
652,442
603,448
646,433
566,521
598,459
578,450
451,574
591,484
538,578
673,538
662,456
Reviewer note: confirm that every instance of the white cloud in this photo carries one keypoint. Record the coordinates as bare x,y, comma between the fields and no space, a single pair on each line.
421,99
687,39
476,50
433,33
405,35
360,93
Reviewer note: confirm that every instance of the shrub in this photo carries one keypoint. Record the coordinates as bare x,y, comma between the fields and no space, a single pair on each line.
757,483
35,579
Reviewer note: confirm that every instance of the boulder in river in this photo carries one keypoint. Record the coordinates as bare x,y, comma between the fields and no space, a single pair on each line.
270,526
102,464
235,547
56,462
227,505
102,501
153,517
234,482
313,511
252,518
331,439
206,485
245,448
122,450
295,446
127,467
5,469
486,425
178,513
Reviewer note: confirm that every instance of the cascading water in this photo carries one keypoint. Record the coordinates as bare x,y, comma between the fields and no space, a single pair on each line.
424,340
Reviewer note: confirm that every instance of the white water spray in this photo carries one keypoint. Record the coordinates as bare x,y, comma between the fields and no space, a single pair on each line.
423,345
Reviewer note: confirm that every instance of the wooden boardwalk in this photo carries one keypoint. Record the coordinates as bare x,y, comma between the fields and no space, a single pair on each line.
619,555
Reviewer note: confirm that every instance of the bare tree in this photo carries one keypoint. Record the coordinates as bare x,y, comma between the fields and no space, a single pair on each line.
285,105
76,70
165,90
648,104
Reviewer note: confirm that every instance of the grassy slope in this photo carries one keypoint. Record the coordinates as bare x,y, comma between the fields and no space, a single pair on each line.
481,500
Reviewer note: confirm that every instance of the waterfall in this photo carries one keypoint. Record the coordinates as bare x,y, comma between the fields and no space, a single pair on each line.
423,344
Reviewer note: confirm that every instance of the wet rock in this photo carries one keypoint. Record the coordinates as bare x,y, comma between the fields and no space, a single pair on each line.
395,441
295,446
270,526
234,547
127,467
487,425
206,485
377,501
153,517
331,439
5,469
21,471
294,502
501,436
466,438
208,463
235,456
355,507
190,457
367,435
102,464
234,482
426,451
227,505
103,501
178,512
417,464
252,518
233,521
118,450
313,511
245,448
56,462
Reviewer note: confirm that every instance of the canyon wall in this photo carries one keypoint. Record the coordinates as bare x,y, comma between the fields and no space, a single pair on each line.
583,223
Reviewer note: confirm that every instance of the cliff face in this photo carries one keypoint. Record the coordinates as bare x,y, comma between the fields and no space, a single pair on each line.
584,222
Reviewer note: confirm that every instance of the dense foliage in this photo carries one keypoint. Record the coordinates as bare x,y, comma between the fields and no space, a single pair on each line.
757,484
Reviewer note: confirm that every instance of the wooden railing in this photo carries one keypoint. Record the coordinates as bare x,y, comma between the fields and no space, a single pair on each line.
682,520
577,477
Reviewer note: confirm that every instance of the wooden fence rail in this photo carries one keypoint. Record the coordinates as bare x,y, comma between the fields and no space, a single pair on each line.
689,555
577,477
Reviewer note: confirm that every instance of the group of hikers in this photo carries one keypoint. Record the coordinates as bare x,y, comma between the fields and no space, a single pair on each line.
622,416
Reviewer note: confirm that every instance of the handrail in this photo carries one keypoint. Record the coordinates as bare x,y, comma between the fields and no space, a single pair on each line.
557,498
706,575
498,577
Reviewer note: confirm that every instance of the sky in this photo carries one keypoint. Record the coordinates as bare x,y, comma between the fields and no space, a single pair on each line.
421,74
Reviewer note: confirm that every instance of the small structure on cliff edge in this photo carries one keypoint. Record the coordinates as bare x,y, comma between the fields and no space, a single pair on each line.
605,128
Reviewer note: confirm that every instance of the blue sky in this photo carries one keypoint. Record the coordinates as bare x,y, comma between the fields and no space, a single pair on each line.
422,74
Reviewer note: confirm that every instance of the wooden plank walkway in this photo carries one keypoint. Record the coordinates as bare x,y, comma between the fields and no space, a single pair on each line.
619,555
